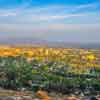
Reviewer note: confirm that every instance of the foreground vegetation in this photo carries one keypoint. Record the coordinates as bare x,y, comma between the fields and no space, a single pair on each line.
19,73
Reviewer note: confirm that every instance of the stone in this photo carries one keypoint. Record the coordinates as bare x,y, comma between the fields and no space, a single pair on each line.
36,99
27,98
16,98
43,95
8,98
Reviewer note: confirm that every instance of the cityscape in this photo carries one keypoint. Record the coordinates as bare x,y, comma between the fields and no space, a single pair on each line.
49,49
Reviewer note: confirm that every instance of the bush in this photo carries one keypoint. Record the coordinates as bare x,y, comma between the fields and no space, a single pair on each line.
18,72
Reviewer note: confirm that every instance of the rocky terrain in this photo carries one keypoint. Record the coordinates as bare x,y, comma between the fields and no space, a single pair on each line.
42,95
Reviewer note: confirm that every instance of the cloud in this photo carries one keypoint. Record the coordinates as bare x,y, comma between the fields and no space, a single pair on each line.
50,9
8,14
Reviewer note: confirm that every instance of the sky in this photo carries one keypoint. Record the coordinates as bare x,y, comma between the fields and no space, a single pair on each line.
51,20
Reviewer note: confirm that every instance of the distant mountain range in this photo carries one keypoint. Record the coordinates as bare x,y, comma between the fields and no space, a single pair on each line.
38,42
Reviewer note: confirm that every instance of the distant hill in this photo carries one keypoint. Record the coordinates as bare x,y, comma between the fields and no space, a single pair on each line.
38,42
21,41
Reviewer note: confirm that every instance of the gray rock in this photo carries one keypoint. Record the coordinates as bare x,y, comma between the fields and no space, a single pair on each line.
16,98
8,98
36,99
27,98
